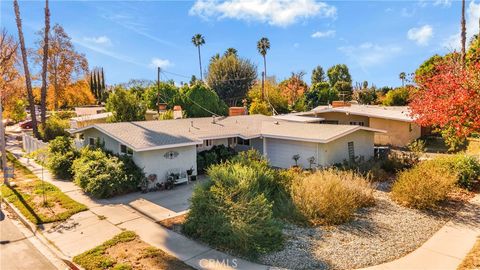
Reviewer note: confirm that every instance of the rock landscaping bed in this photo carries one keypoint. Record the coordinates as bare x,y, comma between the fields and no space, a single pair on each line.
127,251
376,235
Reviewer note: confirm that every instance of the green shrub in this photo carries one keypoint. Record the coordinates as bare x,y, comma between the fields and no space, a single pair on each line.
466,167
331,196
61,154
234,211
399,161
54,127
424,185
215,155
105,176
371,169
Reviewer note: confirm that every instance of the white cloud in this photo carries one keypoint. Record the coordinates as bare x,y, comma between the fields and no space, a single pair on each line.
278,13
296,45
443,3
101,40
158,62
369,54
318,34
421,35
472,17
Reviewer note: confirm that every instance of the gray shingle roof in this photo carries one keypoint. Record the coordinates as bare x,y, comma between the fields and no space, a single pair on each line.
399,113
145,135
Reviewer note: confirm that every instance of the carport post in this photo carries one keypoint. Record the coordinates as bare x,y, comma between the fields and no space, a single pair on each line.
265,147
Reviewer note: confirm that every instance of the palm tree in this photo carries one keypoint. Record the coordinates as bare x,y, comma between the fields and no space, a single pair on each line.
28,80
43,93
231,51
198,41
464,33
402,77
263,45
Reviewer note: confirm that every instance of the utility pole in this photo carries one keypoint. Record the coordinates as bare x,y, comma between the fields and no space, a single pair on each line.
3,145
263,85
158,89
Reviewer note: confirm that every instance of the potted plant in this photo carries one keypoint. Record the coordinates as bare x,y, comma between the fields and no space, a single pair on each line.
296,158
191,177
311,161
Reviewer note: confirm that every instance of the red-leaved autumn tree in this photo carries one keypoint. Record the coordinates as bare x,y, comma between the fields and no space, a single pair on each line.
449,99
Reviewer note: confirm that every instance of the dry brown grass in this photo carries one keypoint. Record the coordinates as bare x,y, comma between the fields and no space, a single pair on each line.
472,260
171,223
331,196
423,186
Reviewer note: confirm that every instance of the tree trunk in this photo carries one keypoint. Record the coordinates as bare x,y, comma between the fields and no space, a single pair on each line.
200,61
464,34
28,80
55,89
43,95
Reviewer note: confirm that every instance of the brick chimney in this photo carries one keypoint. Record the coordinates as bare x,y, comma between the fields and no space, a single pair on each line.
234,111
340,103
177,112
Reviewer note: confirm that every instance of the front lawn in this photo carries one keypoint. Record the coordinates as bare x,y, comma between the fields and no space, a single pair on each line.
37,201
127,251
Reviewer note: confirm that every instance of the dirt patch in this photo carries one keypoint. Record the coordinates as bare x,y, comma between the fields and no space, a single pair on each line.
140,255
50,209
174,223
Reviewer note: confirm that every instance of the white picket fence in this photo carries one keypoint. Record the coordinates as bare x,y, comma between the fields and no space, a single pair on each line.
31,144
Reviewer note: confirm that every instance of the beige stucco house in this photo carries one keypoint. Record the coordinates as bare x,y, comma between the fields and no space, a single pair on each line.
395,120
162,146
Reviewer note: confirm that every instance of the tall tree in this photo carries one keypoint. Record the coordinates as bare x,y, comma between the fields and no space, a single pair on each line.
318,75
198,40
28,80
125,106
43,91
464,34
231,77
230,51
338,73
10,84
263,45
294,87
402,77
65,65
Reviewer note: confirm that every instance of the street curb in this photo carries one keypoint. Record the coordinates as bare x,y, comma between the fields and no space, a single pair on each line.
68,264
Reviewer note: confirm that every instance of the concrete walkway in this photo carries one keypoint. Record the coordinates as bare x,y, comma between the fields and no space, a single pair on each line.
106,218
447,248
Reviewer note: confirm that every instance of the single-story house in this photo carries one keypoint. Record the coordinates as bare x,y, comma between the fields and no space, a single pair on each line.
162,146
400,127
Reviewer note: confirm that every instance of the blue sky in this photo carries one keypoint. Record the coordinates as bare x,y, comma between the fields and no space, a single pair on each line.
376,39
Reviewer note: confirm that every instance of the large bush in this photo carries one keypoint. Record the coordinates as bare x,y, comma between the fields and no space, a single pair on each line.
466,167
331,196
61,154
234,210
215,155
424,185
104,175
54,127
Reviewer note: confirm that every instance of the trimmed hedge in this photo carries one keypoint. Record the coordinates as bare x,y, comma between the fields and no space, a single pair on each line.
61,154
217,154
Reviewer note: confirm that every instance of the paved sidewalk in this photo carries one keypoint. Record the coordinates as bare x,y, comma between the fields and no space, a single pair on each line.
447,248
106,218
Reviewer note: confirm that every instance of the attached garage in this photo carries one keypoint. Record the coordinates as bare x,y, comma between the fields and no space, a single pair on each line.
280,152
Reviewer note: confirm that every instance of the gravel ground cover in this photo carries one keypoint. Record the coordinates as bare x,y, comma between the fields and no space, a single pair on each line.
376,235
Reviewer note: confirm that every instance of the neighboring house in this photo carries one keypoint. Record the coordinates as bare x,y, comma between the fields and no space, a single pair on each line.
89,110
162,146
88,120
395,120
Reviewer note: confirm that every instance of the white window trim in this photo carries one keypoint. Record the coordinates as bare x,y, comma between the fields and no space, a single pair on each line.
126,147
207,143
95,140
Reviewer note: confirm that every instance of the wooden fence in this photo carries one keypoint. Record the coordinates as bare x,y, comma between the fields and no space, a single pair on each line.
31,144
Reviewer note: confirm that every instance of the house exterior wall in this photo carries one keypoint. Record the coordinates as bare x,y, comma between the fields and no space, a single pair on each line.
110,143
281,151
214,142
398,134
343,118
155,162
337,151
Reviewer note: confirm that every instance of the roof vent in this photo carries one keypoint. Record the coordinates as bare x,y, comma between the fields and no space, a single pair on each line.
276,123
191,123
213,119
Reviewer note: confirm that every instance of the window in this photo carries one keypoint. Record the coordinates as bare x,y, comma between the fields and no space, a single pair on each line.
232,141
93,141
125,150
241,141
330,122
207,143
357,123
351,151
